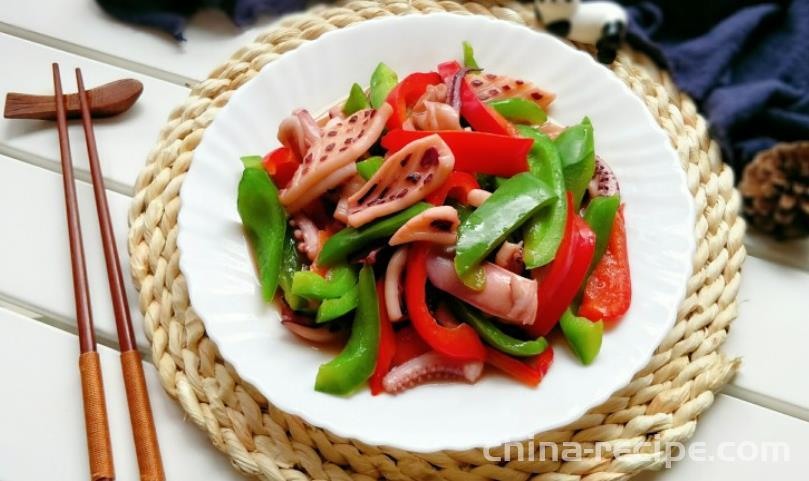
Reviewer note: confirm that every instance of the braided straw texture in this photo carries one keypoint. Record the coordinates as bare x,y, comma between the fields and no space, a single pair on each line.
661,404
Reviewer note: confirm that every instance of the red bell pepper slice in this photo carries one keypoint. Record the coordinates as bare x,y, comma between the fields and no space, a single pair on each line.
457,186
460,342
559,282
475,152
608,292
387,344
529,372
480,116
281,164
406,94
409,345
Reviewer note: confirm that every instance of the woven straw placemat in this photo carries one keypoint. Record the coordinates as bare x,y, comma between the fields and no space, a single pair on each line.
661,404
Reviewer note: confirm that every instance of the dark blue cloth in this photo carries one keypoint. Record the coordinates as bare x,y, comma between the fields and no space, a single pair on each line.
171,15
746,63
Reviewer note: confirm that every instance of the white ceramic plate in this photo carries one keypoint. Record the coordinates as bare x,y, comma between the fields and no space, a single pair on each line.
225,292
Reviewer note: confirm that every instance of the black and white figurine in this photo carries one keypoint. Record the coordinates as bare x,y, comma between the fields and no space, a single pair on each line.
602,24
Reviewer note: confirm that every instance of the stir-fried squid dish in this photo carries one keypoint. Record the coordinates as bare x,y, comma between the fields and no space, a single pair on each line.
436,225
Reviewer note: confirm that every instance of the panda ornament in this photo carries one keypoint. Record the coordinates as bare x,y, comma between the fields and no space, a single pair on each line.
602,24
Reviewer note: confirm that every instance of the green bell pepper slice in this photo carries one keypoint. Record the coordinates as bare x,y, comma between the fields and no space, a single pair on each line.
355,364
290,264
252,161
350,240
331,309
520,111
368,167
382,82
493,335
265,224
474,279
543,233
583,335
577,152
356,101
469,56
600,216
511,205
311,285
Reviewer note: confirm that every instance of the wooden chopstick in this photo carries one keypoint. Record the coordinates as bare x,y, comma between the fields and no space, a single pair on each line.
99,447
147,449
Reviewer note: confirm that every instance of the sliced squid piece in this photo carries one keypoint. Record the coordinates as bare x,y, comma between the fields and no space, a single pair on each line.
318,335
430,367
509,256
320,188
432,112
551,129
306,236
499,87
604,183
341,143
299,132
393,284
510,297
348,189
405,178
436,116
438,225
476,197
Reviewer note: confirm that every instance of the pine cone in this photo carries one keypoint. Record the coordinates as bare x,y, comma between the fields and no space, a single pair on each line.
775,189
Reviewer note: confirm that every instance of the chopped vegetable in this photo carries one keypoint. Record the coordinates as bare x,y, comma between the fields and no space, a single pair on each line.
480,116
331,309
251,161
355,364
529,372
460,342
543,233
357,100
507,209
339,280
475,279
577,152
608,292
281,164
520,111
583,336
387,344
493,335
600,216
409,345
383,80
475,152
457,187
559,281
350,240
265,224
469,56
368,167
290,264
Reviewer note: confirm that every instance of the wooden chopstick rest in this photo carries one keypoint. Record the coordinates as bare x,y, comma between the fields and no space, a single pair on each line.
105,101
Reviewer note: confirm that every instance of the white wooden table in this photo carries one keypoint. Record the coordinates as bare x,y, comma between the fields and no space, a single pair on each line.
41,427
